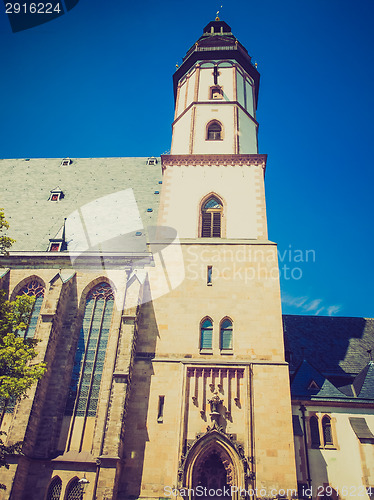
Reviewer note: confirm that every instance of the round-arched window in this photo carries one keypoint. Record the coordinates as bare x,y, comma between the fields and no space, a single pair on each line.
214,132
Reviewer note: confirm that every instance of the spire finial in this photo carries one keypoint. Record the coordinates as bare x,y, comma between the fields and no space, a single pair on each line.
370,355
217,17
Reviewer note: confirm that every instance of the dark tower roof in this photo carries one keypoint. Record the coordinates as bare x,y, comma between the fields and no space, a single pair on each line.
217,42
218,27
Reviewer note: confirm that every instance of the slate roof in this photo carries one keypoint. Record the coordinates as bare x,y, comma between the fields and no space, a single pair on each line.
26,185
308,383
364,382
336,346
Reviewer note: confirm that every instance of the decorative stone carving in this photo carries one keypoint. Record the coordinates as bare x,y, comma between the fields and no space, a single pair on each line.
215,402
216,160
249,475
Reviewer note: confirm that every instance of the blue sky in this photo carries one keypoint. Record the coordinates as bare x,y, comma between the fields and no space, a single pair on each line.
98,82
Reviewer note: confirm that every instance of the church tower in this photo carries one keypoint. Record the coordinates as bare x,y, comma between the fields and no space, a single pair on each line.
210,403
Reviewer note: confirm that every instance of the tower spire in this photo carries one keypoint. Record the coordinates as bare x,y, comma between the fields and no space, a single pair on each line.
217,17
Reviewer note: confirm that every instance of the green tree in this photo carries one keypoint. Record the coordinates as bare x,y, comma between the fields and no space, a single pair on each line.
5,241
17,373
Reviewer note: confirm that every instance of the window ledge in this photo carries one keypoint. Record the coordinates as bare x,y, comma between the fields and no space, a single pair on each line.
227,351
326,447
206,351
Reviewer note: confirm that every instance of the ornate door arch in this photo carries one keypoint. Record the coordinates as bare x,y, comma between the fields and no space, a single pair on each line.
214,460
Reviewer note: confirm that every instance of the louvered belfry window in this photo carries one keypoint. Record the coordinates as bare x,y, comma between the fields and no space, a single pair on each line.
206,334
211,218
226,334
90,355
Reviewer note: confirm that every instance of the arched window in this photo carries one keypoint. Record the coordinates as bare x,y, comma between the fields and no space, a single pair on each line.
326,430
214,132
211,214
314,432
226,334
206,334
33,289
89,360
74,490
54,490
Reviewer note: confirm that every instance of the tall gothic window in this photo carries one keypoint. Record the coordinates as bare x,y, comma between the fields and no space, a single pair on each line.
54,490
226,334
33,289
214,132
206,334
314,432
211,214
74,490
89,360
326,429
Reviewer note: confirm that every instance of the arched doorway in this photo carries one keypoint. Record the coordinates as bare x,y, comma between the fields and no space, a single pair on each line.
214,462
213,474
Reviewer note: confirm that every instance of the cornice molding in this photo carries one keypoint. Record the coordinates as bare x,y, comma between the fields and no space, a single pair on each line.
240,160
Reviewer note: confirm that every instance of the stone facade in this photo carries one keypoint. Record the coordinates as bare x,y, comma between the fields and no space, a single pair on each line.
165,347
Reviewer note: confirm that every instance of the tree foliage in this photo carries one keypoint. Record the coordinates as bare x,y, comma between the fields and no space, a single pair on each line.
5,241
17,372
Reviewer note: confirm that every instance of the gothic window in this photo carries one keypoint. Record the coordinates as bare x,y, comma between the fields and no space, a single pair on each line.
89,360
326,430
314,432
33,289
54,490
226,334
211,214
74,490
206,334
214,131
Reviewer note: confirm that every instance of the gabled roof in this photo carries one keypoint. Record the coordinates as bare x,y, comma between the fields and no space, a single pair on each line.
302,387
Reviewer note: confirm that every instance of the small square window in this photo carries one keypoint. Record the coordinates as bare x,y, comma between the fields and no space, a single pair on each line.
65,162
56,194
55,247
216,92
